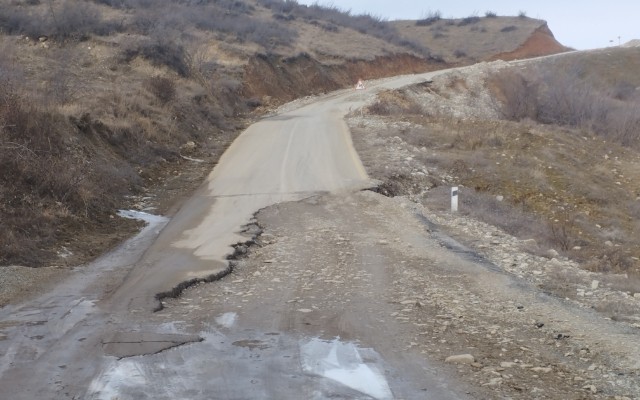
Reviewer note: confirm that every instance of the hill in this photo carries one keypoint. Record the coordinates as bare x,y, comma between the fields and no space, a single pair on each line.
475,39
112,104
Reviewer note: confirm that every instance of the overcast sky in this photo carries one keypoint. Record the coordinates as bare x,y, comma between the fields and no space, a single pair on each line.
584,24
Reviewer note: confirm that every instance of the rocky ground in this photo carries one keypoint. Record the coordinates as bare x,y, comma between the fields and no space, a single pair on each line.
376,270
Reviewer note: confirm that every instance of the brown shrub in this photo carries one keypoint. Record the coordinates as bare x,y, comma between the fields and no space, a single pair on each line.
50,177
394,104
163,88
561,95
518,96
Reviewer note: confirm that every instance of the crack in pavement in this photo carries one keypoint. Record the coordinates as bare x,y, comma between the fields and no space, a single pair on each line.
130,344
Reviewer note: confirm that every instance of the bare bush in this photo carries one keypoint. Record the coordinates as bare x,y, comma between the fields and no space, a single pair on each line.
160,52
16,20
518,95
391,104
162,87
459,53
75,20
243,27
562,96
562,238
614,260
364,23
624,91
509,28
431,18
472,19
490,14
47,180
623,283
67,20
279,6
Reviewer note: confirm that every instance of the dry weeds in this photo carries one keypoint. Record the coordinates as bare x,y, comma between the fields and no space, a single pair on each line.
567,187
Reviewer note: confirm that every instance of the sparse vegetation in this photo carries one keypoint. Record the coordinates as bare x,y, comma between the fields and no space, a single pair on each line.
48,182
163,88
470,20
161,53
522,14
561,96
66,20
490,14
459,53
334,17
431,18
509,28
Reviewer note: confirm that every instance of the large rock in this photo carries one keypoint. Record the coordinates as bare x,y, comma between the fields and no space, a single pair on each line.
460,359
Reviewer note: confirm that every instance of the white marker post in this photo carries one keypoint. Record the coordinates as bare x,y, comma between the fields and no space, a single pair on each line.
454,199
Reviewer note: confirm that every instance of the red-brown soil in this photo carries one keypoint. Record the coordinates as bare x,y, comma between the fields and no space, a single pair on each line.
540,43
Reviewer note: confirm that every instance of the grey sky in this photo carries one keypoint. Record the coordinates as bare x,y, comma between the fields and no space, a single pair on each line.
585,24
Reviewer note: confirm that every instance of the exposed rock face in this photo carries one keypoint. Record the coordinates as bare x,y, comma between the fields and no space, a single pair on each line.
540,43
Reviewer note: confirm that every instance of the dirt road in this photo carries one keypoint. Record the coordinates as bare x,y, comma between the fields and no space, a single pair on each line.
345,295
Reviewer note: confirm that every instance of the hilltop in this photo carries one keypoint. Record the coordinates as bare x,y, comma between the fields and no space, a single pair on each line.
476,39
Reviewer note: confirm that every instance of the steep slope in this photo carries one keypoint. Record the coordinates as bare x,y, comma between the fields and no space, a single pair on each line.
540,43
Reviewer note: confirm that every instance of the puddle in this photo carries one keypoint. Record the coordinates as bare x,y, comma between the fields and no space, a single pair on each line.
251,344
108,385
343,363
264,366
227,320
142,216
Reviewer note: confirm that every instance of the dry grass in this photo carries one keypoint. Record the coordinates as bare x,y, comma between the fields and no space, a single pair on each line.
576,92
474,36
565,187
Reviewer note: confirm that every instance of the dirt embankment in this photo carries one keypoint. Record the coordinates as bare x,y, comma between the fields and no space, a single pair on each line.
279,79
540,43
